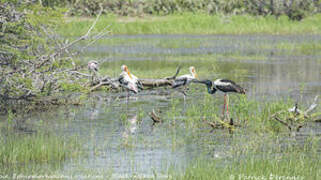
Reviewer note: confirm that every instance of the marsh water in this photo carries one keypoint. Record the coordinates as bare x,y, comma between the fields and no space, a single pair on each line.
120,139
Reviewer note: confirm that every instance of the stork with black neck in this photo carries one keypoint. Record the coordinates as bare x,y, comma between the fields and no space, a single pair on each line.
224,85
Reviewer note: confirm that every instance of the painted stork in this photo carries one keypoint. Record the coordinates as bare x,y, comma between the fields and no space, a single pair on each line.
224,85
129,81
186,79
93,69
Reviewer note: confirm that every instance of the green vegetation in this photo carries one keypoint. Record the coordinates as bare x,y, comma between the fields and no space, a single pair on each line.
24,149
25,45
251,114
259,148
189,23
17,150
33,58
293,164
34,66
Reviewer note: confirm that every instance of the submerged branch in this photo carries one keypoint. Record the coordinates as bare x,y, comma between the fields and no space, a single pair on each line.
312,106
154,117
298,118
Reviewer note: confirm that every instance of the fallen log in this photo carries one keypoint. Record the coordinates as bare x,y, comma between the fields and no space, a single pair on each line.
152,83
147,83
106,81
166,81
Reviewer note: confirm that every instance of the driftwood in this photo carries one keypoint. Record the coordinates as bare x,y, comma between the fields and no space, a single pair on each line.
107,81
221,124
167,81
147,83
297,118
155,117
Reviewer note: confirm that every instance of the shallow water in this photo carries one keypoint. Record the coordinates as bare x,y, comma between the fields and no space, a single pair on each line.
120,138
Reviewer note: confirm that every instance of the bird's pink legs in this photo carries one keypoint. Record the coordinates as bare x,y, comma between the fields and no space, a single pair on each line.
223,111
227,101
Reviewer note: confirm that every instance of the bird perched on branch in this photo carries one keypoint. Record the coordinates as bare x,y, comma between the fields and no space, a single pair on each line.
93,66
93,69
129,81
224,85
186,79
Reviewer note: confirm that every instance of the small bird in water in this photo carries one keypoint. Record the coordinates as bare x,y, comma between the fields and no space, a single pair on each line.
129,81
224,85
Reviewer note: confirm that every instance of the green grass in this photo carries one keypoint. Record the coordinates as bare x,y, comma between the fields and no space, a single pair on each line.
189,23
290,165
252,115
258,155
23,149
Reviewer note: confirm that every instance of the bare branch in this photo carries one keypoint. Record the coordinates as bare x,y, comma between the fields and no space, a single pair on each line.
175,75
312,106
94,24
83,74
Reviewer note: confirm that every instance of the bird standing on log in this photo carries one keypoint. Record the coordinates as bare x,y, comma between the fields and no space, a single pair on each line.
224,85
129,81
186,79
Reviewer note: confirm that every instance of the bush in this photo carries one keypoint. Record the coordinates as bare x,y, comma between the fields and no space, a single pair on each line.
28,42
294,9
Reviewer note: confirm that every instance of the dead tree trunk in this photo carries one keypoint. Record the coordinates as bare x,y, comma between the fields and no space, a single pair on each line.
147,83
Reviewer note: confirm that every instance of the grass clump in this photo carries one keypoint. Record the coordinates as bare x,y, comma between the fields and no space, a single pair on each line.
259,156
37,148
292,165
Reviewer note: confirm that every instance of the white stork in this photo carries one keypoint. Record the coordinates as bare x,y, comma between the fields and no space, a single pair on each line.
129,81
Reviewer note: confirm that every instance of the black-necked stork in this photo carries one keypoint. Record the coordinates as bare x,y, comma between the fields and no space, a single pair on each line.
186,79
129,81
225,86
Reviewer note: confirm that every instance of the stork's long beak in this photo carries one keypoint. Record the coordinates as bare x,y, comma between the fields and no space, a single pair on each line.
129,74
